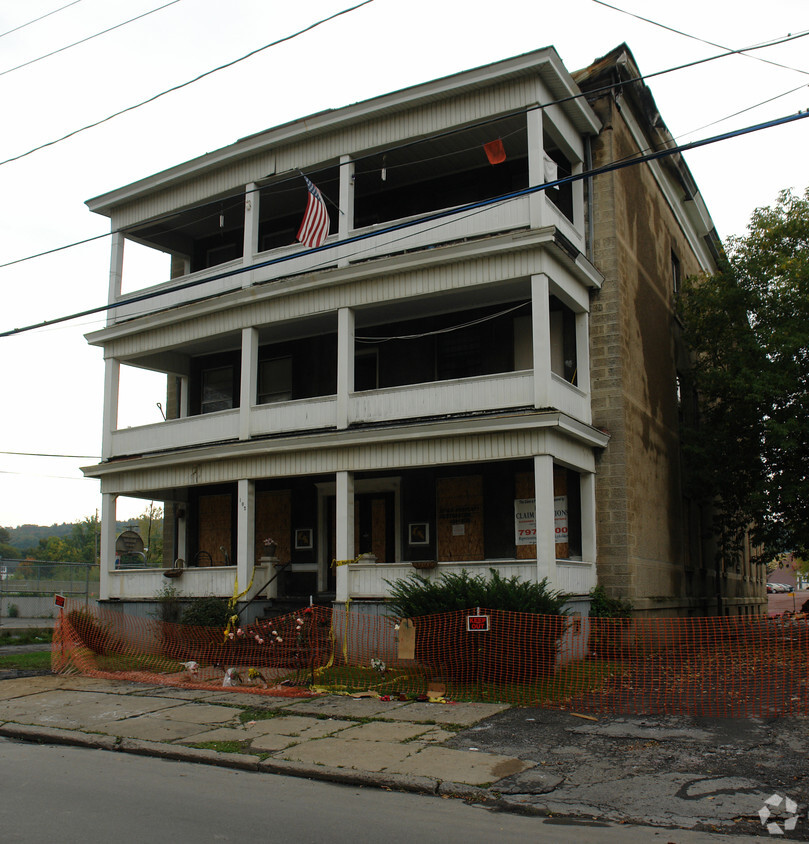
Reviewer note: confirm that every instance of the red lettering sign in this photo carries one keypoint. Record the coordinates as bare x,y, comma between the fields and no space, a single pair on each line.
477,623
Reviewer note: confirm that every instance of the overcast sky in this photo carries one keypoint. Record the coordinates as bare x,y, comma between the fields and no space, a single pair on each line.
53,380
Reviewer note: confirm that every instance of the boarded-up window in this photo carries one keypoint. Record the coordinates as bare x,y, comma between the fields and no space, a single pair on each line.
274,521
460,518
215,529
524,488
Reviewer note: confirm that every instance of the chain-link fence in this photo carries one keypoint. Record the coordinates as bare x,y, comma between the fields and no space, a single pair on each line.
27,587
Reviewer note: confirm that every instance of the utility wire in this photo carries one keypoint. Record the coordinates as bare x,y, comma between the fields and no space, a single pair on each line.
405,145
41,17
439,215
189,82
88,38
36,454
696,37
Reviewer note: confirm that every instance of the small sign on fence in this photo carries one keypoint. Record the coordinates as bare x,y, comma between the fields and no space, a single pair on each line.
477,624
59,600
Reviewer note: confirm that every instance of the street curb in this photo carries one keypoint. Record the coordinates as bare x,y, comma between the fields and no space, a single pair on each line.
351,776
243,762
55,735
180,753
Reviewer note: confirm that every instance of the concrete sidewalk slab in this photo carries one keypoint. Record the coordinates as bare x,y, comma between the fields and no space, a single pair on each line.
28,686
74,710
385,731
462,714
359,754
342,706
462,766
202,713
154,728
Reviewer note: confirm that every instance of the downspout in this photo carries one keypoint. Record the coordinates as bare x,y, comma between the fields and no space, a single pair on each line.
588,186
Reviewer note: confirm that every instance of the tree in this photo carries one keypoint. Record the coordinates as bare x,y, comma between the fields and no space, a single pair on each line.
748,327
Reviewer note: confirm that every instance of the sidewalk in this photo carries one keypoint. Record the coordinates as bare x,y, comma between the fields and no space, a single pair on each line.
671,772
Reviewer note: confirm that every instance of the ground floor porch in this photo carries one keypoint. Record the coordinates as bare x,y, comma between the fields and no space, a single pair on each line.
346,535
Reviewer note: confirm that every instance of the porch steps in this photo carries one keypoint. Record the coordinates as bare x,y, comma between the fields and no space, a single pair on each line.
292,603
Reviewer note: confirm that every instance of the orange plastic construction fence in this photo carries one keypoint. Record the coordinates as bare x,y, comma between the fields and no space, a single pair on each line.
715,666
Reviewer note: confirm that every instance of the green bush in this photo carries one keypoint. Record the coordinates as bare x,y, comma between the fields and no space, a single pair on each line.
169,607
416,595
13,611
207,612
602,606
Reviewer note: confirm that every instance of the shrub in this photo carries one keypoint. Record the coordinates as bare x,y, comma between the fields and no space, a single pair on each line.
13,611
207,612
169,607
416,595
602,606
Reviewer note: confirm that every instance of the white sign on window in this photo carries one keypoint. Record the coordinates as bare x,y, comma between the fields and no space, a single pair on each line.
525,521
560,526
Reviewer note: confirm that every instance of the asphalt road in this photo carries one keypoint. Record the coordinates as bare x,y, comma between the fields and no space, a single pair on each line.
779,602
77,795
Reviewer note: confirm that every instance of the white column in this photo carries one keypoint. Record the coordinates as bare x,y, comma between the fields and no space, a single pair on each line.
546,537
578,197
583,361
541,338
249,380
346,216
587,486
538,214
251,205
112,380
182,531
107,548
245,532
185,385
116,271
345,364
345,530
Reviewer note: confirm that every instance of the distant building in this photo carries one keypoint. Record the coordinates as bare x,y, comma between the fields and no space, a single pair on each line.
482,383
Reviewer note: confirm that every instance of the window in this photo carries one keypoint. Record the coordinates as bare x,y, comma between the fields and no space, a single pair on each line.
563,341
217,389
562,195
676,277
366,370
275,380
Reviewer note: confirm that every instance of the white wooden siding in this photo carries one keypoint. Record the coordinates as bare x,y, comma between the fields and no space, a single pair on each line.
299,415
302,458
174,433
301,150
498,218
219,581
413,276
511,389
368,580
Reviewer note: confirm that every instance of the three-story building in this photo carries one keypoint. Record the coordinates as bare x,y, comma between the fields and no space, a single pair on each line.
428,385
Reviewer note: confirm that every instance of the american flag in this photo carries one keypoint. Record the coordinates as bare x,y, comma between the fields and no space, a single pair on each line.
315,226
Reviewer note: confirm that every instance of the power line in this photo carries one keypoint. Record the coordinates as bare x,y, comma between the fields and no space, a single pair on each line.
186,84
88,38
435,136
36,454
41,17
436,216
696,37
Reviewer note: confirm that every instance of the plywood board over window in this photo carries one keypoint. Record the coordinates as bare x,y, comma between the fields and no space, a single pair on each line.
459,518
524,488
214,529
274,521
